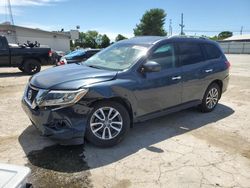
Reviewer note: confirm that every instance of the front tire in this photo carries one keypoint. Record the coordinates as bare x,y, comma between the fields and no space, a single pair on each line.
32,66
108,124
211,98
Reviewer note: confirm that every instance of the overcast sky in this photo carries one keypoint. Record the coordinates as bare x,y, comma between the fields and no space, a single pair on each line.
114,16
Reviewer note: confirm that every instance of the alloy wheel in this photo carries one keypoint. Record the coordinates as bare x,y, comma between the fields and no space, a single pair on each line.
106,123
212,98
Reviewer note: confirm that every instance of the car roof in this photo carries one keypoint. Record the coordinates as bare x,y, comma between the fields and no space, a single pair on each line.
151,40
89,50
143,40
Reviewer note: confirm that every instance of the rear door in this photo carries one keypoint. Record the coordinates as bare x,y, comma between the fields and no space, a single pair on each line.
4,53
194,66
160,90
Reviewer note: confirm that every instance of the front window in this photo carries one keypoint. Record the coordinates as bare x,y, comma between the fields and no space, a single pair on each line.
165,56
119,56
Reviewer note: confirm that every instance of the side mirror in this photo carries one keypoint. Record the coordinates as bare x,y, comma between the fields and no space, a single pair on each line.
151,66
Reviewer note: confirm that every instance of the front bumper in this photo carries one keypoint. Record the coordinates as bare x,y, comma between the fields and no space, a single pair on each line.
59,123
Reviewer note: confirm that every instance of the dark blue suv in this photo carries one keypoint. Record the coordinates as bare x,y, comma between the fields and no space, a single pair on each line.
132,80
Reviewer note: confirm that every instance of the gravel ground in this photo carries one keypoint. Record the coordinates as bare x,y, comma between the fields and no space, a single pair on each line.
184,149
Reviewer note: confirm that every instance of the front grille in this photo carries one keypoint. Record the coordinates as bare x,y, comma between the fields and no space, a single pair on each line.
31,94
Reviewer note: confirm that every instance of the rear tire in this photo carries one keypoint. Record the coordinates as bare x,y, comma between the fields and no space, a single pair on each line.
32,66
211,98
108,124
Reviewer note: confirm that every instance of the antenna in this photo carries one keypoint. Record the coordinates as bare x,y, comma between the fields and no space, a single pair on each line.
182,25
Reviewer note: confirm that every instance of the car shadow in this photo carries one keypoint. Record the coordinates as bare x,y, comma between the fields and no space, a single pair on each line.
12,74
142,136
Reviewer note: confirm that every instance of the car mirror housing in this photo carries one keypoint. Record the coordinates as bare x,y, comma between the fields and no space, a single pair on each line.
151,66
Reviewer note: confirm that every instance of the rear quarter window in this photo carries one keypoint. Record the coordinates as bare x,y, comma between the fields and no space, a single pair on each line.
212,51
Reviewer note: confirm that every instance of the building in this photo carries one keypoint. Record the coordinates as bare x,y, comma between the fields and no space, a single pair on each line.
237,44
238,38
59,41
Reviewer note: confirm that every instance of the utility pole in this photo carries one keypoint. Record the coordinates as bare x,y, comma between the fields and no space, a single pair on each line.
241,30
182,25
12,21
170,28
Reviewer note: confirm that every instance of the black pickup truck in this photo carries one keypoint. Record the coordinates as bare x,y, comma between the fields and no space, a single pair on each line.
27,58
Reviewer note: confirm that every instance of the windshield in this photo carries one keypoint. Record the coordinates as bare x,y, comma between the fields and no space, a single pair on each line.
75,53
119,56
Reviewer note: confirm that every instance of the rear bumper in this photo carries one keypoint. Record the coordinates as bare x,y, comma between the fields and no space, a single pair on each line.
61,124
225,84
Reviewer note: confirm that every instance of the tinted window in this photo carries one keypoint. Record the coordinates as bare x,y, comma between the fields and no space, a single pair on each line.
212,52
92,52
190,53
165,56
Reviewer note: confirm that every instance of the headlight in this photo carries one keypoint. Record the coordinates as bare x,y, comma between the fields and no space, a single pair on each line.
59,98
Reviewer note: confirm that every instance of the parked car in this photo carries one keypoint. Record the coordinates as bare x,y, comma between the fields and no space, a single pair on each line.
28,58
56,56
131,81
77,56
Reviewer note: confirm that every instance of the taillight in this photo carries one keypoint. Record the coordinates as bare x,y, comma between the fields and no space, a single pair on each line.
228,64
50,53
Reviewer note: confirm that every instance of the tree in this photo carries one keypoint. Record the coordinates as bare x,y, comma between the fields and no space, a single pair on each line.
151,23
120,37
214,37
225,34
105,41
91,39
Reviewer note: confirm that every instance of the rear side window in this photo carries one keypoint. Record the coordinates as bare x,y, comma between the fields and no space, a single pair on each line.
165,56
212,52
190,53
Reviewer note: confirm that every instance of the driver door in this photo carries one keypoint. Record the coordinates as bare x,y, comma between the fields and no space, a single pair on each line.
160,90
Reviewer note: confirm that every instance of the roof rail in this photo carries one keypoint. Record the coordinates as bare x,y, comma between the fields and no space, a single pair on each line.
188,36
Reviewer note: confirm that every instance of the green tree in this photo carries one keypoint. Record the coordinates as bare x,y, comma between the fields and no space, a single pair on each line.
91,39
225,34
120,37
105,41
214,37
80,42
151,23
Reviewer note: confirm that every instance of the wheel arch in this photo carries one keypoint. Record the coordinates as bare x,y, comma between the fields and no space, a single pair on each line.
219,83
30,59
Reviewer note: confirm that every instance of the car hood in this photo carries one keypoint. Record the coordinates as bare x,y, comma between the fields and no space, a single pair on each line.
71,76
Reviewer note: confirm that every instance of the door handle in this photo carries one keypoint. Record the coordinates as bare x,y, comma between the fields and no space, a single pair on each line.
176,78
208,70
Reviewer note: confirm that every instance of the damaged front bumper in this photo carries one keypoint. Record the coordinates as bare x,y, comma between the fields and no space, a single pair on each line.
66,123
